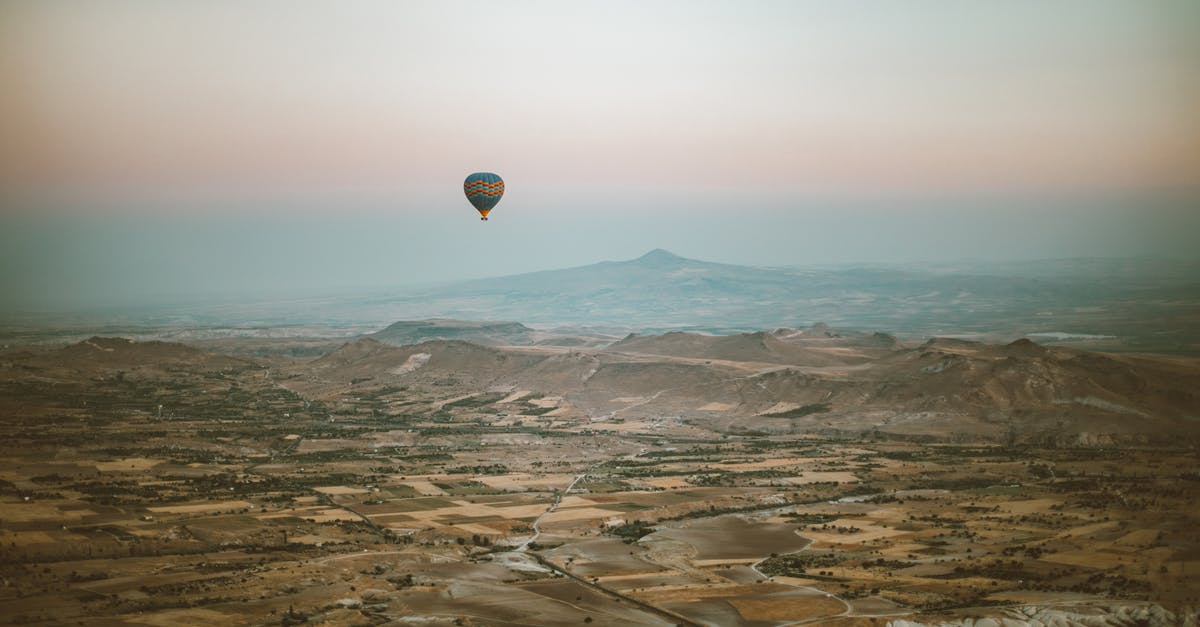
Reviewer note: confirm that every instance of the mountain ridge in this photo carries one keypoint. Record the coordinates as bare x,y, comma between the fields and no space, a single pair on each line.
944,388
662,291
1125,305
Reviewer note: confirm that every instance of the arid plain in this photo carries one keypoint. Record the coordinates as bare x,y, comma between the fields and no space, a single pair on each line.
795,476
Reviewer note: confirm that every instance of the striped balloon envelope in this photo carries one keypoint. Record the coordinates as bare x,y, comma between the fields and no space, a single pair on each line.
484,190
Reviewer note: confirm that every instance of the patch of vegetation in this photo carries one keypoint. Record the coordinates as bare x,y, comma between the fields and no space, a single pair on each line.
812,519
693,451
887,564
632,531
805,410
717,511
467,487
478,400
426,457
604,485
797,564
490,469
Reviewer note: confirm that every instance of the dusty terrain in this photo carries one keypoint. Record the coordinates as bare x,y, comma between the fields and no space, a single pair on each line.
804,475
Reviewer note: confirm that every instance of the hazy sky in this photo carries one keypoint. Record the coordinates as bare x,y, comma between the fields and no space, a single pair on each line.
175,147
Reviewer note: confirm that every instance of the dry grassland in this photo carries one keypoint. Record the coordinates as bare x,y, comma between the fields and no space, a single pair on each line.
424,488
667,483
522,481
128,464
788,608
579,513
203,508
818,477
696,592
340,489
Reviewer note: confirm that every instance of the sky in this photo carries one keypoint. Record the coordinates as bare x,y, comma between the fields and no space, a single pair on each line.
168,149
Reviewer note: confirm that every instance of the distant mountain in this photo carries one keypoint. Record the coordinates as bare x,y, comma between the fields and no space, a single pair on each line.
1109,304
1138,305
656,290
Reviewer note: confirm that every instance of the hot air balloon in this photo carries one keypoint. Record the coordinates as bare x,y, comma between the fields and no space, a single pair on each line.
484,190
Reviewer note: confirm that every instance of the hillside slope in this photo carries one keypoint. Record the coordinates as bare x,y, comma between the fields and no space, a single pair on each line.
944,388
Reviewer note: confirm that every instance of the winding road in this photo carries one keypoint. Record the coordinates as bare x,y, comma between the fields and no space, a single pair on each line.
537,530
845,612
849,611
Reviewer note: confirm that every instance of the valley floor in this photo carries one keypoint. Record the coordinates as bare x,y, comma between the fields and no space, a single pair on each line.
243,503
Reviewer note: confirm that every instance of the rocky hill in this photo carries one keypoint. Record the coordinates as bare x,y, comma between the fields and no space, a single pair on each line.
797,349
810,381
417,331
942,389
106,356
